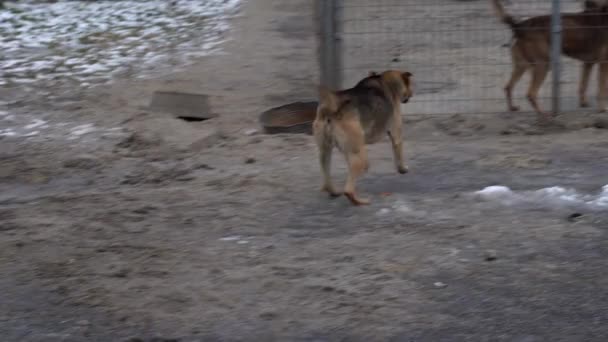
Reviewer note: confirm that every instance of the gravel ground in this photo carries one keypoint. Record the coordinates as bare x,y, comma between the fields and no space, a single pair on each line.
120,223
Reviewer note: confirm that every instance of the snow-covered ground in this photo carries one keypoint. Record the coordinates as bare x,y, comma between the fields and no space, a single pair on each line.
93,41
36,127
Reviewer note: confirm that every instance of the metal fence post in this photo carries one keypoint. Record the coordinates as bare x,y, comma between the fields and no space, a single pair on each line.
556,50
330,54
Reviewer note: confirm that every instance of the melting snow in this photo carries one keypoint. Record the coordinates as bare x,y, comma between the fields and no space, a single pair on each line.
36,123
7,133
555,196
239,239
97,39
399,207
20,127
231,238
82,129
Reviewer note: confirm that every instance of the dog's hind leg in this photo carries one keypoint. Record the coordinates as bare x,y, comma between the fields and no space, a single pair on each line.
582,89
602,91
519,68
539,73
395,134
351,140
326,146
357,166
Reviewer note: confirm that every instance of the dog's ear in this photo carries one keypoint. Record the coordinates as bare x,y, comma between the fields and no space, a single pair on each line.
372,73
406,77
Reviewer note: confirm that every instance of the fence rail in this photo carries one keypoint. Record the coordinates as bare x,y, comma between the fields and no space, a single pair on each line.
457,50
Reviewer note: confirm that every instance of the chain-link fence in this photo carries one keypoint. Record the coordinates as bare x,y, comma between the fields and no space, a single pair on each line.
458,51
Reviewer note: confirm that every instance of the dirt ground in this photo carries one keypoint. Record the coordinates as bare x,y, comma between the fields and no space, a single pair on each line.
151,227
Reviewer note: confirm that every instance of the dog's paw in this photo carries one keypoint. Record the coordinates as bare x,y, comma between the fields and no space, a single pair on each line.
546,120
403,169
332,192
356,200
514,109
584,104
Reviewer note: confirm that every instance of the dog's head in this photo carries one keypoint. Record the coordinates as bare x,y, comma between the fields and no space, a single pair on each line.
408,92
399,83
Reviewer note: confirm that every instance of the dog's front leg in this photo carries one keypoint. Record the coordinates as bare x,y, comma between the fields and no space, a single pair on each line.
395,135
539,73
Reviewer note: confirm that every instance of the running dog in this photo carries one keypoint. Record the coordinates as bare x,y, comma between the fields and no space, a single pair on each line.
584,37
349,119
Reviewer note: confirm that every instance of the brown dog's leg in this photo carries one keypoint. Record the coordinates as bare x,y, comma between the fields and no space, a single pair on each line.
351,140
582,89
357,166
516,74
539,73
325,159
519,68
602,91
395,134
325,145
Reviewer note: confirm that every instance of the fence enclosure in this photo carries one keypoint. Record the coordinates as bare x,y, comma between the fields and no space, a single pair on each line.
458,51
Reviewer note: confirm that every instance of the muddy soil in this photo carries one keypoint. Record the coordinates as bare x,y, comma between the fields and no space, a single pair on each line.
149,228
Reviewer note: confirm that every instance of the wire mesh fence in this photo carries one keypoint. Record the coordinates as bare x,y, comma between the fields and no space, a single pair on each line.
458,51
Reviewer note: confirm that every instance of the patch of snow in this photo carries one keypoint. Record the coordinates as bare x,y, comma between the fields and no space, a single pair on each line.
35,124
237,238
602,199
82,129
384,211
231,238
498,193
554,197
439,285
8,132
494,190
402,207
26,126
251,131
31,134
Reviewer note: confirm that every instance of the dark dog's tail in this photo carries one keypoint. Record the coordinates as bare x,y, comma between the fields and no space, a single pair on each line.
503,16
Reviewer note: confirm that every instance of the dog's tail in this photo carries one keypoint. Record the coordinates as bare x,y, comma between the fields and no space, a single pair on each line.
330,103
504,16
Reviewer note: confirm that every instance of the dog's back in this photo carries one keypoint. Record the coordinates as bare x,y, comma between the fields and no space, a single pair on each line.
371,102
584,33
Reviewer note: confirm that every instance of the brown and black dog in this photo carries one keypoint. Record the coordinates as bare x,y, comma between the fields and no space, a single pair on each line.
349,119
584,37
